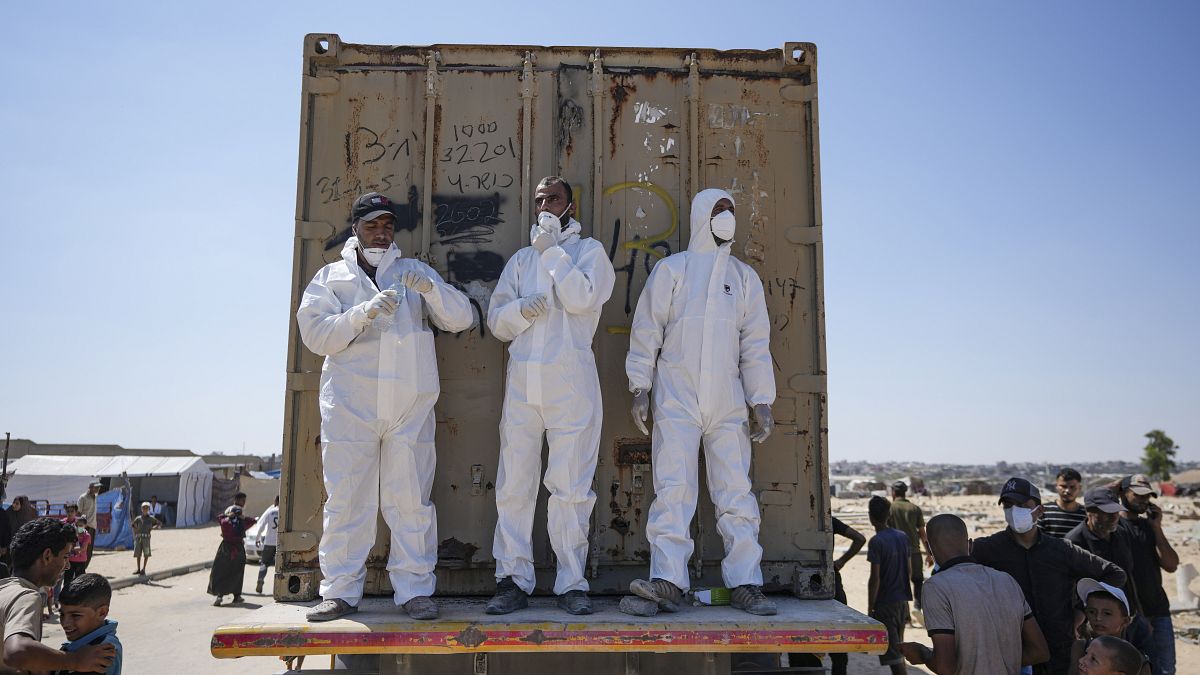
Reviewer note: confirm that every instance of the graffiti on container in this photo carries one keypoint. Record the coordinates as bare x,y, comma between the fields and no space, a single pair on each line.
468,266
407,215
467,161
466,219
369,146
333,189
653,247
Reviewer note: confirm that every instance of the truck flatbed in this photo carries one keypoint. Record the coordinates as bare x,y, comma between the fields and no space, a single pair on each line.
819,626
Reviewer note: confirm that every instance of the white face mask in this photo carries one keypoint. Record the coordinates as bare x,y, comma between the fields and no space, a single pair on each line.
373,256
1019,518
550,223
724,224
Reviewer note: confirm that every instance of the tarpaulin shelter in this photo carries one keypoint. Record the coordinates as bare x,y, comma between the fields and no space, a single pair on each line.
185,482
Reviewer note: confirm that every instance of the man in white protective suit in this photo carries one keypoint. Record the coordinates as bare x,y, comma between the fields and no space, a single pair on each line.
366,314
701,343
547,304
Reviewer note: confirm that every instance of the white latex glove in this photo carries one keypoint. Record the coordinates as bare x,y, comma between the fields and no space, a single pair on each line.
533,306
417,281
765,423
384,301
542,240
641,410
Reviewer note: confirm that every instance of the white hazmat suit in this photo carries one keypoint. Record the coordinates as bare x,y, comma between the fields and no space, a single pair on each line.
552,388
378,387
700,343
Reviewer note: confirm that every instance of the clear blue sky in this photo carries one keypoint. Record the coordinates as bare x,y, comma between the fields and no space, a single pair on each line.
1010,193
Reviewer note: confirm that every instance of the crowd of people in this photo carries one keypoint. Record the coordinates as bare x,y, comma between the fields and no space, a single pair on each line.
1066,587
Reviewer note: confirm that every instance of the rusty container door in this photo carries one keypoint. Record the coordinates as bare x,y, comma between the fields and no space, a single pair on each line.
461,134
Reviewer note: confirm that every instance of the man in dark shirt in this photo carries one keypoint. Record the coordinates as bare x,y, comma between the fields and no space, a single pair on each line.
1152,553
888,592
1044,567
1099,535
1062,515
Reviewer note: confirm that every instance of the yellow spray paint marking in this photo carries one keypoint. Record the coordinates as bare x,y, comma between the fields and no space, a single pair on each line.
645,245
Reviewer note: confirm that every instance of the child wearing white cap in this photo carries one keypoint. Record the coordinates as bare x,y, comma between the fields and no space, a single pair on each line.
1107,612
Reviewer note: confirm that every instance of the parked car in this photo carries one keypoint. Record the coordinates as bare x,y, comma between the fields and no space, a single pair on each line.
253,539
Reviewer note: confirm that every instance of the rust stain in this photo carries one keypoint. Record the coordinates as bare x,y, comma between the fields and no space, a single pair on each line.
470,636
620,89
537,637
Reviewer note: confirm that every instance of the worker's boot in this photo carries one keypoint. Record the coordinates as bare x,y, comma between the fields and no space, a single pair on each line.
666,594
421,607
575,602
329,610
750,598
637,606
508,598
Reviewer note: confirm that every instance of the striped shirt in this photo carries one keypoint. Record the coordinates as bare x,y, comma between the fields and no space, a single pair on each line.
1057,522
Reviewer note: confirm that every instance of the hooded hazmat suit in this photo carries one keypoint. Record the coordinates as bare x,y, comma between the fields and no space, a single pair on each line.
378,387
700,343
552,388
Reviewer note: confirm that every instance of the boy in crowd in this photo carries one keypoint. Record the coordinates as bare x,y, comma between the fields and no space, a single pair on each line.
141,537
1108,655
1107,612
40,549
888,591
1062,515
85,618
78,559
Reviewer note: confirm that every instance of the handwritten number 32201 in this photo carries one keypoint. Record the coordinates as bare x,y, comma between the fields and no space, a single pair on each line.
481,152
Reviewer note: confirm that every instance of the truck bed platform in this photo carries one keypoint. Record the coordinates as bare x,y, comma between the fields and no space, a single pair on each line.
379,627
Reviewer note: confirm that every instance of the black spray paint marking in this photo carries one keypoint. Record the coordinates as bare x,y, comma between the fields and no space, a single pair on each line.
467,266
467,220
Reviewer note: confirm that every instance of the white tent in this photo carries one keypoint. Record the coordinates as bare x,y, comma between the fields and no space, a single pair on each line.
61,479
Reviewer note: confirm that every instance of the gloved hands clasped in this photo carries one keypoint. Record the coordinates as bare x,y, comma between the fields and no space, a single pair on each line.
764,422
534,306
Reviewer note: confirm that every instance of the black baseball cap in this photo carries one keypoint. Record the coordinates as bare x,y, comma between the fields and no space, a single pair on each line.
1020,490
1102,498
370,206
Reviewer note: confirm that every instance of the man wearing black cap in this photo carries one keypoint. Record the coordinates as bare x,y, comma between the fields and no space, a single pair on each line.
1142,522
1099,535
368,314
1044,567
908,518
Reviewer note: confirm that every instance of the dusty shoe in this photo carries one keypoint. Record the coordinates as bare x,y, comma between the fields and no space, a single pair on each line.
575,602
750,598
632,604
217,602
508,598
258,588
421,607
329,610
666,594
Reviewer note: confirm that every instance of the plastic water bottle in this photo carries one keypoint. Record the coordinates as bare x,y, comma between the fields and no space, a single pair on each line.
384,321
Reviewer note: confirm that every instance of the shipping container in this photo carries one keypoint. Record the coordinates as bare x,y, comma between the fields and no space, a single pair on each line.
460,135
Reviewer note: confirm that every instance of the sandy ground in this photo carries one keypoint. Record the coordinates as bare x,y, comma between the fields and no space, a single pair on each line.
984,516
169,547
166,625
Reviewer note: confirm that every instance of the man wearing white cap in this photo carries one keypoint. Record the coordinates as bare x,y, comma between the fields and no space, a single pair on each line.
1142,522
368,314
700,343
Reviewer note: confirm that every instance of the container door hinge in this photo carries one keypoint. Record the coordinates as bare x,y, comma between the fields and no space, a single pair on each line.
321,85
303,381
314,229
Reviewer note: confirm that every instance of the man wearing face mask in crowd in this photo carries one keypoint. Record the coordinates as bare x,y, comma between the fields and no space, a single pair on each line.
547,304
368,315
1142,523
1098,534
701,341
1046,568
